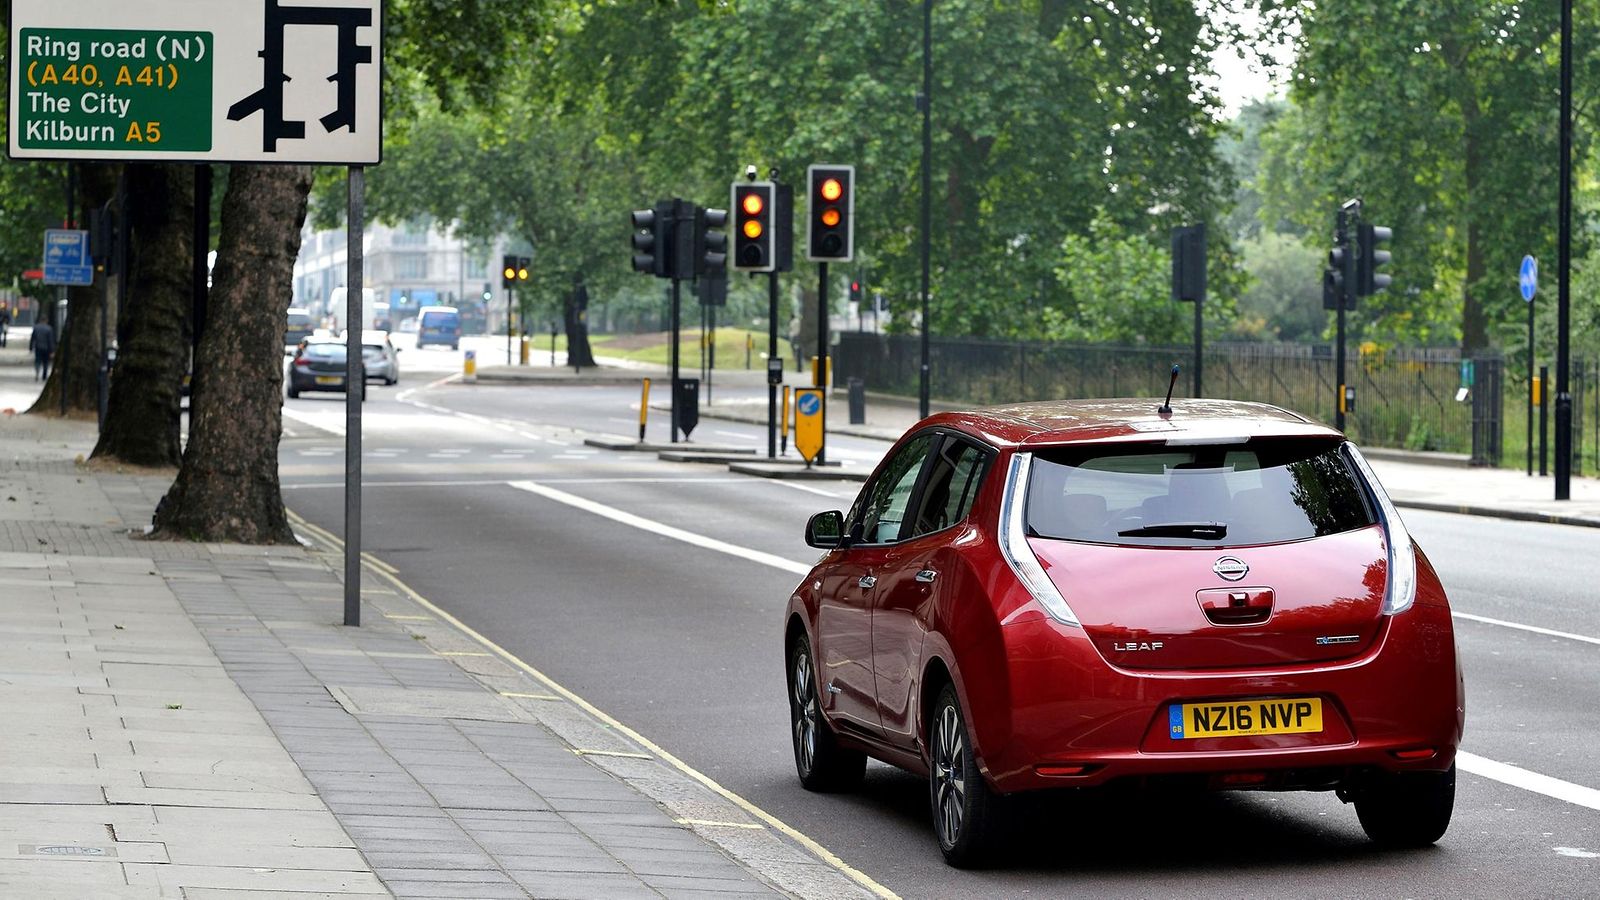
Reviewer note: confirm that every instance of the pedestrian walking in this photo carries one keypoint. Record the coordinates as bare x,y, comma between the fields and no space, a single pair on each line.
5,324
43,344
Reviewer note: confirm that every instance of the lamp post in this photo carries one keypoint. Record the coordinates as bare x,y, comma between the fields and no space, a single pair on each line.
1564,263
925,101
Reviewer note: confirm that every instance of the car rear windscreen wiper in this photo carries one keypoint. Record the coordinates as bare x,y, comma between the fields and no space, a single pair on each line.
1211,531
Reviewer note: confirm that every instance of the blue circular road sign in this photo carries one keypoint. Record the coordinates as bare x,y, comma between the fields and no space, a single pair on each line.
809,404
1528,277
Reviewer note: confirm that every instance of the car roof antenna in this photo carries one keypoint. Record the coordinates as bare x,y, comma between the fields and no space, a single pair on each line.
1166,405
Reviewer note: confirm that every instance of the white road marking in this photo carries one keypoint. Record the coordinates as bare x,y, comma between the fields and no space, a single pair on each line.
654,527
1520,627
333,424
734,434
1516,776
806,487
471,482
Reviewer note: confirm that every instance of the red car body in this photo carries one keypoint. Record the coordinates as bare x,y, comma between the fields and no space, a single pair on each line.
1085,694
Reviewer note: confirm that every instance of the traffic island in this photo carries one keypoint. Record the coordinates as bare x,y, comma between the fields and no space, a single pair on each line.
796,470
618,442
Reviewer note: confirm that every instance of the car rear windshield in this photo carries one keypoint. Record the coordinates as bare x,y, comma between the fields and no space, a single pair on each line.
1258,492
441,320
299,320
325,351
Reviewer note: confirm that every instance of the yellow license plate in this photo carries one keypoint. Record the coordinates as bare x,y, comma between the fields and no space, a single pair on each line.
329,379
1240,718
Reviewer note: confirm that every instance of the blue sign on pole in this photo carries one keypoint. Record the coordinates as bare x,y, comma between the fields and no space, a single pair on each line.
1528,278
66,257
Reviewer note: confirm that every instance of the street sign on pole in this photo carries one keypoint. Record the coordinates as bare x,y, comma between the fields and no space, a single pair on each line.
1528,278
809,404
66,258
222,81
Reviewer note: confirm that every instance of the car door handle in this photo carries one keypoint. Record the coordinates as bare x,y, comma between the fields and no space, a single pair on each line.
926,576
866,582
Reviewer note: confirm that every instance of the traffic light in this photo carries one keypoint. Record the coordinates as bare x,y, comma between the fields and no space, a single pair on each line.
1189,263
523,263
710,242
1334,282
830,224
855,292
508,272
652,240
1368,258
754,209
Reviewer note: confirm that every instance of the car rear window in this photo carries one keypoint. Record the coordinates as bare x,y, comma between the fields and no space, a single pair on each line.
325,351
1258,492
441,320
299,320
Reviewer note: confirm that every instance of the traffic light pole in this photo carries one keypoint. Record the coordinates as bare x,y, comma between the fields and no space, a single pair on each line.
821,377
510,296
1346,288
924,386
1199,344
772,354
676,285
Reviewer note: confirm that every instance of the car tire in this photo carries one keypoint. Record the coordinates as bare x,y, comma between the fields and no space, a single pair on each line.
967,814
1408,811
821,763
294,393
455,346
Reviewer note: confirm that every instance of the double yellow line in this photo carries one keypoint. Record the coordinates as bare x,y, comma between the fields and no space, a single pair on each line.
391,575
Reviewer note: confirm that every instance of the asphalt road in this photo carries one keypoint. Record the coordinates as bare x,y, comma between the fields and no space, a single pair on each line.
683,643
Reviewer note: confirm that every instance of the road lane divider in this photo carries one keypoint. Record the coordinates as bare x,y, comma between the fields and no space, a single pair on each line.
1550,632
678,534
832,860
1516,776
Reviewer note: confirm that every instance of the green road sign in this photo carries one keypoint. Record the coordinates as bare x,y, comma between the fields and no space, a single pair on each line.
123,91
236,81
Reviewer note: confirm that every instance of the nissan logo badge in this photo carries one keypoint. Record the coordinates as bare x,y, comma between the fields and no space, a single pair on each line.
1230,568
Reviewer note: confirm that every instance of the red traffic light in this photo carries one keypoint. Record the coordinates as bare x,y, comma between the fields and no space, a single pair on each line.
832,190
855,285
753,204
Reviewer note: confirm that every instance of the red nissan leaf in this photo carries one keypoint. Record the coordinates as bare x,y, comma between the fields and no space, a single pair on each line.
1098,592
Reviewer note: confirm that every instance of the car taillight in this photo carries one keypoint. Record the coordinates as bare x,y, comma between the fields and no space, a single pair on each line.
1402,589
1014,544
302,362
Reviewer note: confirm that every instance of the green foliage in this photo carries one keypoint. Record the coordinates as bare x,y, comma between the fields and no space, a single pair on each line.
1284,299
1118,287
1048,116
1441,114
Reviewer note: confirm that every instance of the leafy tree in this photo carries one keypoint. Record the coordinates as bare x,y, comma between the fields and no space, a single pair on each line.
228,488
1441,114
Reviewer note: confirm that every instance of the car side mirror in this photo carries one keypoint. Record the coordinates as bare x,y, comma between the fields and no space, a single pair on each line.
825,531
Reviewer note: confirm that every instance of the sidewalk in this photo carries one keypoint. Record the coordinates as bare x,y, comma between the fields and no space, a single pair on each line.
190,720
1412,479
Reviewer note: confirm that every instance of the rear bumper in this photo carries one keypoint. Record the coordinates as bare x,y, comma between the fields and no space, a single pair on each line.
1070,708
308,381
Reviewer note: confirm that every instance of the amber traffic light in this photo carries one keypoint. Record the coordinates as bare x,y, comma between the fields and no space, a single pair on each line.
752,242
830,225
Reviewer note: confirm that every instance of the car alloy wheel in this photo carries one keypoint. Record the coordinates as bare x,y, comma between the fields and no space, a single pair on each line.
820,762
966,816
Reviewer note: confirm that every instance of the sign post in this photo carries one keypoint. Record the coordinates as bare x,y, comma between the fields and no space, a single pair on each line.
1528,281
809,406
183,81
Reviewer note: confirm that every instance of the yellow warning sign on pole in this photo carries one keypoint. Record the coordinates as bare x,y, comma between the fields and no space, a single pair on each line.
808,436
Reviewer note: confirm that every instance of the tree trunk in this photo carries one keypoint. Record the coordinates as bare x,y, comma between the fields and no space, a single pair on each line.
1474,319
142,421
228,487
77,357
576,314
